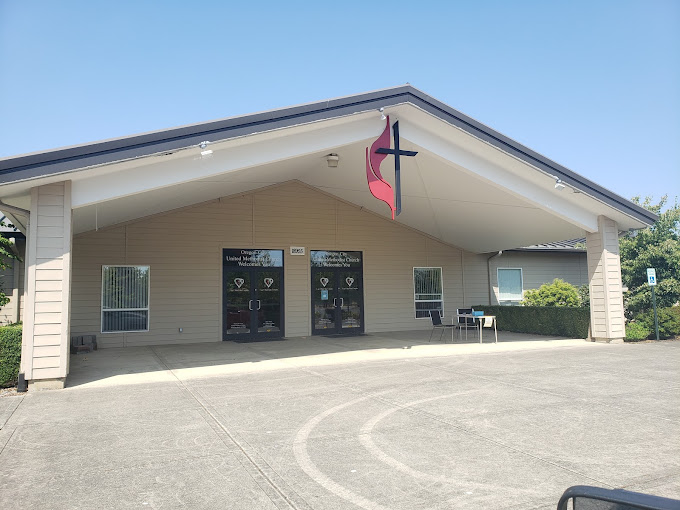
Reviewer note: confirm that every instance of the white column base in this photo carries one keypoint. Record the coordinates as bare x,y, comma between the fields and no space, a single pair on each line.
607,340
47,384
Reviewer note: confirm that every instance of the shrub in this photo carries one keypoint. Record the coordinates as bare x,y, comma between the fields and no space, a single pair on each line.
557,293
541,320
584,295
636,331
669,321
10,354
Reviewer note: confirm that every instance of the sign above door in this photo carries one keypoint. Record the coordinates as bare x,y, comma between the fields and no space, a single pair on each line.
253,258
339,259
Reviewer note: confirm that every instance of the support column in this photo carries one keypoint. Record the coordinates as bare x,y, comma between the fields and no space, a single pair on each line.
607,323
45,340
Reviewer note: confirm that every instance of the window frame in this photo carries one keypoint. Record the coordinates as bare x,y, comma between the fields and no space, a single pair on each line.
148,302
415,301
498,284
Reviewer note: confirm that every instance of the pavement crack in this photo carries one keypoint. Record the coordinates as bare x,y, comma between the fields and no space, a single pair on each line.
11,413
7,442
272,490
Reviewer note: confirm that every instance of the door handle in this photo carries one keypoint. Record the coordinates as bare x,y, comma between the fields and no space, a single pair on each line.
250,304
342,302
259,304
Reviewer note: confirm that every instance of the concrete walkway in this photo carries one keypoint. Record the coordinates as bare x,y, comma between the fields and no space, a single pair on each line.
374,422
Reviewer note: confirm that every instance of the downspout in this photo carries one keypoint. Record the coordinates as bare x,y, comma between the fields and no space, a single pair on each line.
488,273
15,282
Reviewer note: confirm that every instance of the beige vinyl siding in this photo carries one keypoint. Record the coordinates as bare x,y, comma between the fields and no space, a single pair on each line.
604,269
46,321
476,280
184,251
541,267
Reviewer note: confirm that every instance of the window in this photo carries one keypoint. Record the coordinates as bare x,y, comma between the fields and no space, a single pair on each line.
125,298
427,286
509,285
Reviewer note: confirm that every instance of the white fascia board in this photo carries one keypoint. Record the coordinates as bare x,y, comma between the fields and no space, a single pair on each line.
228,156
499,176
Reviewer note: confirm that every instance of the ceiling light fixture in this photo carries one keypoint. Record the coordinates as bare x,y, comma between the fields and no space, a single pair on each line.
332,160
382,113
559,185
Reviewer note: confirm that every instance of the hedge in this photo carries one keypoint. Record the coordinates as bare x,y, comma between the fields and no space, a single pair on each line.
10,354
541,320
669,322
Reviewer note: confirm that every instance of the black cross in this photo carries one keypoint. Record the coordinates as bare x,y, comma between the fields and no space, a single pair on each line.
397,168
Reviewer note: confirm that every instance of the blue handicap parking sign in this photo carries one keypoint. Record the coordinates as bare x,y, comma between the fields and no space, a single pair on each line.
651,276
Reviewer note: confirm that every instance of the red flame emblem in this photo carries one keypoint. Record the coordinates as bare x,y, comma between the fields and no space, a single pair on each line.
380,188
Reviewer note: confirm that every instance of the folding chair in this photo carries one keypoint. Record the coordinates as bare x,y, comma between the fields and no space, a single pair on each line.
464,322
437,324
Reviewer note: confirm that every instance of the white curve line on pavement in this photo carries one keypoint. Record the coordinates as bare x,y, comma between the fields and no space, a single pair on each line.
367,442
308,466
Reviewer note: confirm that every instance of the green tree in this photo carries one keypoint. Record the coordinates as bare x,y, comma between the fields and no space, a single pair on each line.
557,293
657,246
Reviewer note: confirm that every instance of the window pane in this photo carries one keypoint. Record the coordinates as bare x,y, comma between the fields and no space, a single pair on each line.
125,321
427,280
125,298
427,287
509,284
125,287
423,308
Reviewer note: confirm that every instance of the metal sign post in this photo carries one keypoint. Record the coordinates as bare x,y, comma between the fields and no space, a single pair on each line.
651,280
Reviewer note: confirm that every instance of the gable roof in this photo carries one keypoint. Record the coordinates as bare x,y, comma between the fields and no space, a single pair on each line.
51,162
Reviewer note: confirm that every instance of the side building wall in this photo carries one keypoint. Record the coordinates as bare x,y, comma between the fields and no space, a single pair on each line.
539,268
184,251
12,281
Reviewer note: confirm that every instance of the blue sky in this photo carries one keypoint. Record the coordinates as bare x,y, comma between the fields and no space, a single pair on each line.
594,85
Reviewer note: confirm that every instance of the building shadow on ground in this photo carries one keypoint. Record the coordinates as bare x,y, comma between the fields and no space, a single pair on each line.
165,363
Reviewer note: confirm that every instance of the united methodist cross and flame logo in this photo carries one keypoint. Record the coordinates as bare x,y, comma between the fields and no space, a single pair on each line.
380,149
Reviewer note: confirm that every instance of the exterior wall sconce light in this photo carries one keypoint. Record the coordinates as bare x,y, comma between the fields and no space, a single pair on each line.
382,114
205,152
332,160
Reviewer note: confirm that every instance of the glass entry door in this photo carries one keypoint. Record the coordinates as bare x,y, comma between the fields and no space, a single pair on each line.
351,301
325,300
237,304
337,293
253,295
268,302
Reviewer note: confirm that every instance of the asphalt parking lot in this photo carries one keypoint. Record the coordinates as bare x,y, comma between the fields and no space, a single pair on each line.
374,422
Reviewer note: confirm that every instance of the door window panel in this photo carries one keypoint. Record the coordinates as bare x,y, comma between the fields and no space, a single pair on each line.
268,302
323,287
238,302
350,295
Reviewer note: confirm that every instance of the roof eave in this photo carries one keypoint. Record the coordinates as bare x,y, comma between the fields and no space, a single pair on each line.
53,162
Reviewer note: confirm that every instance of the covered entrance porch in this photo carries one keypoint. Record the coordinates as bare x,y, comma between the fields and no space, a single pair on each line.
174,201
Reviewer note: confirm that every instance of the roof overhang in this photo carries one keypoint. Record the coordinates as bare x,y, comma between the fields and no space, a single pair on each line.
469,185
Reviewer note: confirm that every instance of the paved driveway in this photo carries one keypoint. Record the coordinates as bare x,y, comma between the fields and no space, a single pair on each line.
375,422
